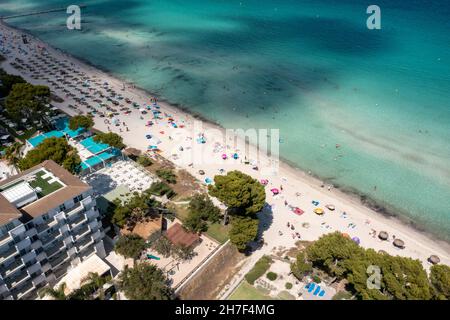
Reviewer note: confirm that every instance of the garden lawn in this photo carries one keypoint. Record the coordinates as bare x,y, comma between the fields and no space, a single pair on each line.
246,291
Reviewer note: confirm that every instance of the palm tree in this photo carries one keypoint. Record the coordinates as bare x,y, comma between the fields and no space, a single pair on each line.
12,153
96,283
57,294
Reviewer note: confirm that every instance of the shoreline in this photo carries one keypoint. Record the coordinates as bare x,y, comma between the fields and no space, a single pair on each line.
368,208
382,209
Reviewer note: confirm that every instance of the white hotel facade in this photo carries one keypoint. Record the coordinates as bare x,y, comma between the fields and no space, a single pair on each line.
49,224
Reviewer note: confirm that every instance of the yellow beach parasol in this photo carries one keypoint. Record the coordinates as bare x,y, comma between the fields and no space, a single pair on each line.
319,211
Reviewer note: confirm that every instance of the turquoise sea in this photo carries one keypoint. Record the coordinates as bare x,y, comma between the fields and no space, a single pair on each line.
310,68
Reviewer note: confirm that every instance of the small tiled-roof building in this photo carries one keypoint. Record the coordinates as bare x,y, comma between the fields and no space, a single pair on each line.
179,236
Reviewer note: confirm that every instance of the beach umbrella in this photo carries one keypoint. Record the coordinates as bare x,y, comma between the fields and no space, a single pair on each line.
399,243
298,211
383,235
208,181
264,182
235,156
275,191
356,239
319,211
201,172
434,259
330,207
224,156
346,235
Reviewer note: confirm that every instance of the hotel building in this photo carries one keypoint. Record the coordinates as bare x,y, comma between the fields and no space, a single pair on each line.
49,224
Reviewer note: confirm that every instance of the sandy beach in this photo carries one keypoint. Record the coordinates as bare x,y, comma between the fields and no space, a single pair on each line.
179,145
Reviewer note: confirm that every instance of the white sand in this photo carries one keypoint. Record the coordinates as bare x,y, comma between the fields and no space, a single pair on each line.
417,245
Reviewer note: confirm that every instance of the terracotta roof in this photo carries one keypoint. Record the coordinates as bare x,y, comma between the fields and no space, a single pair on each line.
178,235
8,212
73,188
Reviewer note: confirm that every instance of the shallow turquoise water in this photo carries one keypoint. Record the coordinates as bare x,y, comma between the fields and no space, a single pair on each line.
310,68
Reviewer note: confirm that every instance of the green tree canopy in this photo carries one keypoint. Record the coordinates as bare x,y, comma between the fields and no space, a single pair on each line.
401,278
243,230
130,246
202,204
239,192
144,282
7,81
201,210
56,149
301,267
111,138
194,222
440,280
27,101
133,210
81,121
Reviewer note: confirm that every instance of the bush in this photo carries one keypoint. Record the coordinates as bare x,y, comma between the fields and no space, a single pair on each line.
288,285
160,189
316,279
144,161
167,175
258,270
272,276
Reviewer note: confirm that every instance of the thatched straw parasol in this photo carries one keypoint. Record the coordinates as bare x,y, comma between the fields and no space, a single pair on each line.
383,235
434,259
399,243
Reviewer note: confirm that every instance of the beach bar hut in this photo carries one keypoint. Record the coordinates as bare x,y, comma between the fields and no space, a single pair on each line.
383,235
399,243
434,259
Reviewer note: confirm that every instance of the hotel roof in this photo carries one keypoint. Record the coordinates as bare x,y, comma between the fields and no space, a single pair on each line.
73,187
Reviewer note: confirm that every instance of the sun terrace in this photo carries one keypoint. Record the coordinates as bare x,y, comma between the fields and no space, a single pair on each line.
31,187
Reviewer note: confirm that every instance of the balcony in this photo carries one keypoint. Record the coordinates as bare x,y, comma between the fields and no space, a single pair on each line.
75,209
59,260
87,253
81,233
25,290
44,226
24,244
50,238
13,267
11,252
51,251
5,239
83,244
19,279
77,221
